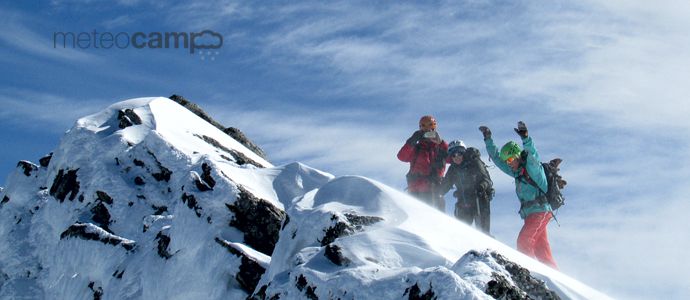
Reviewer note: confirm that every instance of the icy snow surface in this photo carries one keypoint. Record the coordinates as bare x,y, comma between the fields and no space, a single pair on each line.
167,206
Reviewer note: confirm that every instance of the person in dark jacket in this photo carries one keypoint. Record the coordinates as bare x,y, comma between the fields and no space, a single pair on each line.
530,179
426,152
473,185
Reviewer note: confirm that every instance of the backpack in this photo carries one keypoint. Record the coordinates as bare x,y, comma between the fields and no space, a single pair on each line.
555,183
472,154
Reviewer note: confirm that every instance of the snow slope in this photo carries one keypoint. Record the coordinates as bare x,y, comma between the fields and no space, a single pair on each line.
145,200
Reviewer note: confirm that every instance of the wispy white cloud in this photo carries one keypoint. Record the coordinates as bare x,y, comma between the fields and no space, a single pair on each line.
19,36
53,113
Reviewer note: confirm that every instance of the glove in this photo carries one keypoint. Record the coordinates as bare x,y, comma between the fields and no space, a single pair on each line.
416,136
521,129
485,131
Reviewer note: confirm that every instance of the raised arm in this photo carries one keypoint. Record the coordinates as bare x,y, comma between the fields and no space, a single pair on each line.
532,163
493,151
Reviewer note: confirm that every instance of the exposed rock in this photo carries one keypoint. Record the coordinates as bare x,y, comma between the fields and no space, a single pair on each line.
206,175
308,290
45,161
250,270
258,219
337,230
200,184
360,221
164,173
239,136
97,291
159,210
101,216
128,118
499,288
416,294
334,253
231,131
65,183
139,181
352,223
138,163
535,288
104,197
88,231
163,243
190,200
27,166
239,157
5,199
118,274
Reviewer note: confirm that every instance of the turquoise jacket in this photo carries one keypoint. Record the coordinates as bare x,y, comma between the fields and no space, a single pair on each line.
532,166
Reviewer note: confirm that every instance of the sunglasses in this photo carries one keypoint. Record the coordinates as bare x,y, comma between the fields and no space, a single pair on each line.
457,153
510,160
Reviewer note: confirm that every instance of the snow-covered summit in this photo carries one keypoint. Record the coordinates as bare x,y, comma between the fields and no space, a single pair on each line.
147,200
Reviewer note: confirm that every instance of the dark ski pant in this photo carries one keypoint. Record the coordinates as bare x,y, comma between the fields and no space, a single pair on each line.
468,214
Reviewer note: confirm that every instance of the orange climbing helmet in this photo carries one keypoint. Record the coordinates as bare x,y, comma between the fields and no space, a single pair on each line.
427,123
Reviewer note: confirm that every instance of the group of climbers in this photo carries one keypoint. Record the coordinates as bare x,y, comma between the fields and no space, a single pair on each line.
427,153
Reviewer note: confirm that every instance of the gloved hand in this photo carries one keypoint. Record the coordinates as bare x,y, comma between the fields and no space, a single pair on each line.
416,136
485,131
521,129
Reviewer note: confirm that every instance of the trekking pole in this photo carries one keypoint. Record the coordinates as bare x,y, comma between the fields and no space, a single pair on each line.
553,215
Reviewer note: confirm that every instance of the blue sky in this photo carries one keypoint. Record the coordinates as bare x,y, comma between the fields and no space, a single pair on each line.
341,85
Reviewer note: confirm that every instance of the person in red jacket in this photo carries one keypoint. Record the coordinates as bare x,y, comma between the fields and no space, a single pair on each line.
426,152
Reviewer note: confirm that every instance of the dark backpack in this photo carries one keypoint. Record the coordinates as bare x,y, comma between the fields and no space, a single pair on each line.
474,156
555,184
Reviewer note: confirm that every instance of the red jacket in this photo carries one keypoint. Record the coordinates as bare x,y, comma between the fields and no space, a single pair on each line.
421,156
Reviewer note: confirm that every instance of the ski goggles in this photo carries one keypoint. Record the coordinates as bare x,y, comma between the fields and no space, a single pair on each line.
458,152
510,160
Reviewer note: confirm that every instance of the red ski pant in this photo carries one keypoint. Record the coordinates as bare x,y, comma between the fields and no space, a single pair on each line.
533,240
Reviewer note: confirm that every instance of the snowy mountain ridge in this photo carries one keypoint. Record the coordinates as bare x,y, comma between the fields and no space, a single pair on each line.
146,200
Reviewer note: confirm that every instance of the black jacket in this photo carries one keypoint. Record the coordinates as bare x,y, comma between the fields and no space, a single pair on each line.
470,178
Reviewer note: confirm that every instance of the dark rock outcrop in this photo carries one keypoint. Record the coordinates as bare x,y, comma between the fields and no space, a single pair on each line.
302,285
335,254
164,173
101,216
239,157
104,197
205,182
45,161
27,167
190,200
163,243
65,183
87,231
533,287
231,131
258,219
521,285
250,270
5,200
415,293
239,136
97,291
499,288
127,118
206,175
352,223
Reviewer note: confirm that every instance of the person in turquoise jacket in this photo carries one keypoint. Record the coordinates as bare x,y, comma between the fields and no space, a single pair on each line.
530,180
